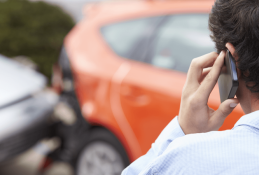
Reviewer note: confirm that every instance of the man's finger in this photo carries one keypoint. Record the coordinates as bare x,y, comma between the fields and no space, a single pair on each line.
197,66
204,73
223,111
211,79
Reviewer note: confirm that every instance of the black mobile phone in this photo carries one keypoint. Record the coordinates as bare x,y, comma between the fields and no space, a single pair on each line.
228,81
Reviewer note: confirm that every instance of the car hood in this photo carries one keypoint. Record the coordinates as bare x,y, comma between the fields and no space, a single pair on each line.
17,81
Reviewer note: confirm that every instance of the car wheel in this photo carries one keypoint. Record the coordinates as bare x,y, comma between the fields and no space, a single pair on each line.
102,155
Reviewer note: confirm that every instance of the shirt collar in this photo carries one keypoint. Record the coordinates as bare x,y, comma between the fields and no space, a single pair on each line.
251,119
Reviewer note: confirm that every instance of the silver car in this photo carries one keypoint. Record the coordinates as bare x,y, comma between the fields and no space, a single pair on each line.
26,108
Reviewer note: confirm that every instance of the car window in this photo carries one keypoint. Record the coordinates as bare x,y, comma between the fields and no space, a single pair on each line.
179,40
123,36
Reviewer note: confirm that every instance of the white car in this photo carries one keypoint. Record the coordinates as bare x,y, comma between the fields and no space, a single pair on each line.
25,108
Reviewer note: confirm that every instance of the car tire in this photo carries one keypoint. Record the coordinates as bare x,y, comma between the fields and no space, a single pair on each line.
103,154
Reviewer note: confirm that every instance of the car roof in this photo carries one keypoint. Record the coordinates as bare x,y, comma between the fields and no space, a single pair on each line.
108,12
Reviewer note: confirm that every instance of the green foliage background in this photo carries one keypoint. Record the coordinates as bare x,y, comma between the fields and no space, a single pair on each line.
33,29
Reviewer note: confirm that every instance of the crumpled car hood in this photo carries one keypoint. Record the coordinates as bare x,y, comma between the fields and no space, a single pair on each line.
17,81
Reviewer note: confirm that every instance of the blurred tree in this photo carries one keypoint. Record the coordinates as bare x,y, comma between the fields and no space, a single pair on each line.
33,29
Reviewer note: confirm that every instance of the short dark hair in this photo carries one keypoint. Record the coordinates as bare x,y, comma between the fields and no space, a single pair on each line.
237,22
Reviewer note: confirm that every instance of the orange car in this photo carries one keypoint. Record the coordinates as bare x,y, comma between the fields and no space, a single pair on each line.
126,64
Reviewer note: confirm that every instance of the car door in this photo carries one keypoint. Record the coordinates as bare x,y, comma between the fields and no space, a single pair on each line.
150,90
125,39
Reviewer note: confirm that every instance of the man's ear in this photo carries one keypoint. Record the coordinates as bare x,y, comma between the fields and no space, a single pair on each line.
232,50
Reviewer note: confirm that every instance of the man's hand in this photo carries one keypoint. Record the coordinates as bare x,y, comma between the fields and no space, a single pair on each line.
195,116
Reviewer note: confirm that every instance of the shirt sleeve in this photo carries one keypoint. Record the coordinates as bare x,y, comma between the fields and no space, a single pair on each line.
170,133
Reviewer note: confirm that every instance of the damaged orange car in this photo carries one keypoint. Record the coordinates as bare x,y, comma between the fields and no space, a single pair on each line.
125,65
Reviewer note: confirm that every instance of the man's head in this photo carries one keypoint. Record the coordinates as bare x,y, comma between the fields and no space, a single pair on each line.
236,22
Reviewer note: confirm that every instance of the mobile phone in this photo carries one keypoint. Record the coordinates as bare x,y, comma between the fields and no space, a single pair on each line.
228,81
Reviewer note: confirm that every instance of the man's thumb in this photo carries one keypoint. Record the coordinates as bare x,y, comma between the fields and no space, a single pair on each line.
226,108
223,111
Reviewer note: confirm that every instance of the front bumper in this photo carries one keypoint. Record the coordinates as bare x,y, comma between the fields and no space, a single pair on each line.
24,123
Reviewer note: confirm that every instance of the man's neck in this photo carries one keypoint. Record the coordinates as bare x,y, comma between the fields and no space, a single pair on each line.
254,102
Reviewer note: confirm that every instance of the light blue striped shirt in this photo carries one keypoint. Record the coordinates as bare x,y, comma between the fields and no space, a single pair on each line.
229,152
